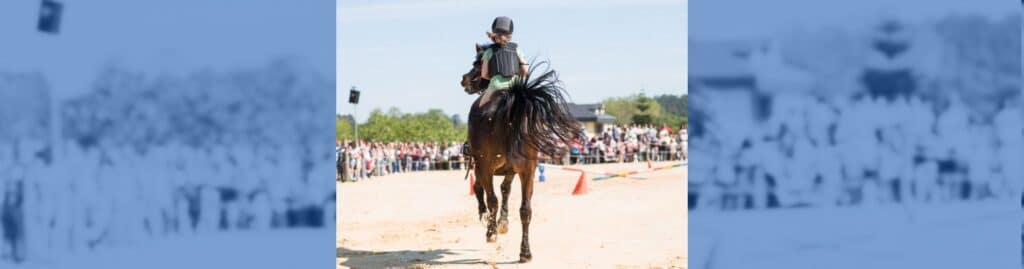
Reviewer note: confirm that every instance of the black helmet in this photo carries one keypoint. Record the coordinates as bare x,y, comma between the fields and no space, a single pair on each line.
502,25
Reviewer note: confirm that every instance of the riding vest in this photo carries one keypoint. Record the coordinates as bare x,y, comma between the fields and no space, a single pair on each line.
504,60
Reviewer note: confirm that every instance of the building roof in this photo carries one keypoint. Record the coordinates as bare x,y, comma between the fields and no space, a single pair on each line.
589,113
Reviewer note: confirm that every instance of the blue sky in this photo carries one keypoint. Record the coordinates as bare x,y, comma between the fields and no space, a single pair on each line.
600,48
163,36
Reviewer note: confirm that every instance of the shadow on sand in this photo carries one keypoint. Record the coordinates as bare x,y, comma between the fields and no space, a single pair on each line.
404,258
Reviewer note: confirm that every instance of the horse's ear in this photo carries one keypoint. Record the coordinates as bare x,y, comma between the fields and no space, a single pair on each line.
478,48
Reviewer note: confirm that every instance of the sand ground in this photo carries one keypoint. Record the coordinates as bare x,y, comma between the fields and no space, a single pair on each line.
429,220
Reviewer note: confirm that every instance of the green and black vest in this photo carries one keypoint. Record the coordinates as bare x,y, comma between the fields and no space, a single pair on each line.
504,60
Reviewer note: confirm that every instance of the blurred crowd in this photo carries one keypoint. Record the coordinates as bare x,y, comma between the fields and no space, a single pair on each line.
810,151
634,143
91,196
364,160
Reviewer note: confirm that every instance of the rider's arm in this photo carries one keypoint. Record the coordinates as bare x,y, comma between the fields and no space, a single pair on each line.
485,72
523,65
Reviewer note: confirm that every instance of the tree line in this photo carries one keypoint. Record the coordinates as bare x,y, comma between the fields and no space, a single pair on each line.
393,125
436,126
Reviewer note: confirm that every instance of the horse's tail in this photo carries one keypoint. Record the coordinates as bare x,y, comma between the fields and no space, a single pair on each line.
537,115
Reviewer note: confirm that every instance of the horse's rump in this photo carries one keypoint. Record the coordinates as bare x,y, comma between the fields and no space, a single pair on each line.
532,115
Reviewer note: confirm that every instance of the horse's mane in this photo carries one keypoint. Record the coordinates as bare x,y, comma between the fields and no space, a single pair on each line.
535,114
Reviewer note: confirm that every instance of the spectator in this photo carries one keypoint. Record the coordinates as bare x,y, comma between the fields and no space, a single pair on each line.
633,143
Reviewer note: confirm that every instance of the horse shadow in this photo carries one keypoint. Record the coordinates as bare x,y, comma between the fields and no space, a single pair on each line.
404,258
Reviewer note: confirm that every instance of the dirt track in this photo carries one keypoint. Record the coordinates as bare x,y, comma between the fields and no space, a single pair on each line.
428,220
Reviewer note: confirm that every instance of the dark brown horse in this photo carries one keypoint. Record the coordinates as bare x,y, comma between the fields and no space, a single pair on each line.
507,132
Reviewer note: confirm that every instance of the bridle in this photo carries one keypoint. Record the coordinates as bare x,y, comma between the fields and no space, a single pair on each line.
477,84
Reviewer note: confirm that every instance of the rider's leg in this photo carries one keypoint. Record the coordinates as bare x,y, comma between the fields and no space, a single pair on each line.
486,97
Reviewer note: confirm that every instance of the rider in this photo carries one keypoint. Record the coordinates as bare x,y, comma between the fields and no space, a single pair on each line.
502,61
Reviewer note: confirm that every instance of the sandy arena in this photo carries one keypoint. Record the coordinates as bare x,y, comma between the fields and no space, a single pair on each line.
429,220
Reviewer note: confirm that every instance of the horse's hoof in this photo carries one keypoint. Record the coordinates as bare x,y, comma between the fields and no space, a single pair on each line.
503,227
492,238
525,258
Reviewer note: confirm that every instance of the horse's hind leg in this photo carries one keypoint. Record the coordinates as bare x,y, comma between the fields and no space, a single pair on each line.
525,212
506,187
481,207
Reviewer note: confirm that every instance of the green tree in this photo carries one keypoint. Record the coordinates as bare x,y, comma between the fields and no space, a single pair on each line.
344,129
622,108
673,104
674,110
431,126
646,110
634,109
674,121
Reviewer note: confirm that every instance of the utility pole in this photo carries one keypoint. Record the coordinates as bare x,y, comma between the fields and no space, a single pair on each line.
48,23
353,98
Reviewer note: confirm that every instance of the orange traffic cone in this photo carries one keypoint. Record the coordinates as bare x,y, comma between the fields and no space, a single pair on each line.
472,183
581,185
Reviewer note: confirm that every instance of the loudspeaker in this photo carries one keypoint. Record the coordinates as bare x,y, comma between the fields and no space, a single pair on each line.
49,17
353,97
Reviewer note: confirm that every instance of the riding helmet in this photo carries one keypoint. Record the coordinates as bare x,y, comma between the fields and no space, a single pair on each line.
502,25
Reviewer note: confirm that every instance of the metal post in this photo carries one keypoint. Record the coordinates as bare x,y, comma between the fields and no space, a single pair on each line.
354,100
355,121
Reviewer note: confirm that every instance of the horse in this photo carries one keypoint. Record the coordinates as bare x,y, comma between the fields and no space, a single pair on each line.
506,134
